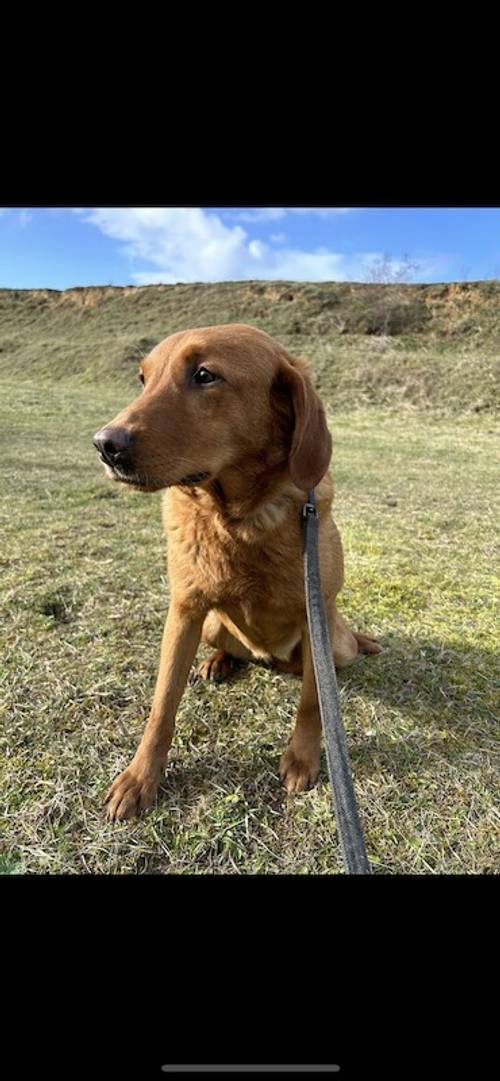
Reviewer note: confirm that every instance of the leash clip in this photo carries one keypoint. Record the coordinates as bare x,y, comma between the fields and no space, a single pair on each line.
309,509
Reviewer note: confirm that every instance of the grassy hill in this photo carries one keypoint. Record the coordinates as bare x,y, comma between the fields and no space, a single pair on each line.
430,346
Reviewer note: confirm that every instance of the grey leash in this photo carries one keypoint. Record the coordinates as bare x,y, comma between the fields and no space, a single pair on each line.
339,769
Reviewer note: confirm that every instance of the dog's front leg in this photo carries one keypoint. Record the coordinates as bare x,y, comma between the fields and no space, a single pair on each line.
135,788
299,766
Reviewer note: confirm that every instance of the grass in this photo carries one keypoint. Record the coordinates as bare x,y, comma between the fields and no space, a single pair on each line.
84,598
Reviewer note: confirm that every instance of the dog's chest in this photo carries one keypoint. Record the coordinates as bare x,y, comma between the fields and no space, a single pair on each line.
227,569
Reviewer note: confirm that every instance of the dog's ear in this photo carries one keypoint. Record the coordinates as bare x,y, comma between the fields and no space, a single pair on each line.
311,446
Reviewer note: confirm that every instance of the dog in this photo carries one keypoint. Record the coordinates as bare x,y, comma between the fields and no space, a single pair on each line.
230,425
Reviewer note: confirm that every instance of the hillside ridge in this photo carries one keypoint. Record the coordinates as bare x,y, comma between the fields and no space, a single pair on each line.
429,346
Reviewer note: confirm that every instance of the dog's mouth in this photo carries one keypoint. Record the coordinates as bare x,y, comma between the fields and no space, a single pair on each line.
134,480
144,483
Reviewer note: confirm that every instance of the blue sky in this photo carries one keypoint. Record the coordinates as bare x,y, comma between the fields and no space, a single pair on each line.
59,248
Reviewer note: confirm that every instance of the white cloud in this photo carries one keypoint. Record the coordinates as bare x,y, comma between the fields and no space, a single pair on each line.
189,244
186,244
256,213
322,211
257,249
274,213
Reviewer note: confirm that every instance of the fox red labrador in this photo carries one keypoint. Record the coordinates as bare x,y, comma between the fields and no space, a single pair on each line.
231,426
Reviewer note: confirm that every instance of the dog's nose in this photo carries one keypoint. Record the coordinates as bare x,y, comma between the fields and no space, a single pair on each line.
113,444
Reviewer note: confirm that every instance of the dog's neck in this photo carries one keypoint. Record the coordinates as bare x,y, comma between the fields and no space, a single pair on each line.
241,493
255,493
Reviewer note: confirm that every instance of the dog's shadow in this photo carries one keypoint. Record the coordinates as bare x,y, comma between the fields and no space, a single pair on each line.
439,691
443,705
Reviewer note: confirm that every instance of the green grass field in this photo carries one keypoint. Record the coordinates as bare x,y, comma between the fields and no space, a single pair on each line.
84,596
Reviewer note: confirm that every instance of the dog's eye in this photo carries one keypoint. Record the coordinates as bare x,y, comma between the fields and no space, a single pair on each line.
203,376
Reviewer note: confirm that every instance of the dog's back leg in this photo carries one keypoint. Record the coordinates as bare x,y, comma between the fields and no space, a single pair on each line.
294,665
228,650
348,644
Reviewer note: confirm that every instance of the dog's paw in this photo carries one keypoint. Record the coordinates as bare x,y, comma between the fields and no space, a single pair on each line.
299,771
132,792
217,667
367,644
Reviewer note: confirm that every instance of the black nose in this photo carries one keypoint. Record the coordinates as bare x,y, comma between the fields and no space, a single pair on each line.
113,444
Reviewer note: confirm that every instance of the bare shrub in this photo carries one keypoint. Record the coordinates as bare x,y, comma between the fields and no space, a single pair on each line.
389,310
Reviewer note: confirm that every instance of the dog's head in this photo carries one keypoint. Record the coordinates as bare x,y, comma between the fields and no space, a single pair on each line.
214,398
